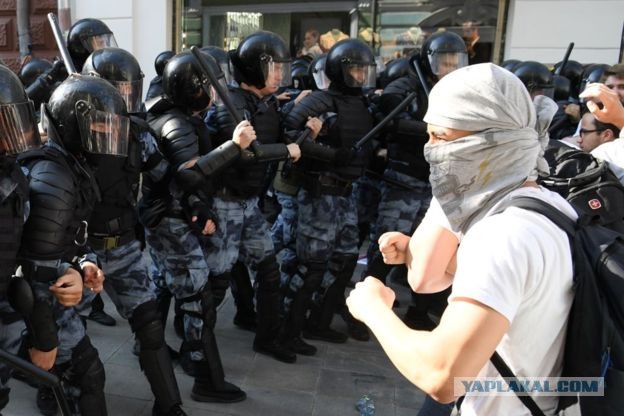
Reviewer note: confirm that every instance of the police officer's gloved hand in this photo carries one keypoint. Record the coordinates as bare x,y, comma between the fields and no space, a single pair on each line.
203,212
57,73
344,156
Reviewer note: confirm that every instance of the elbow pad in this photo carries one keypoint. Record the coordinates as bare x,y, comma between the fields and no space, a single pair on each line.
313,150
218,159
271,152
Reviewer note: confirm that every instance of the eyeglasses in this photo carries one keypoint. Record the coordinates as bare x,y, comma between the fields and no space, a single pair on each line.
583,131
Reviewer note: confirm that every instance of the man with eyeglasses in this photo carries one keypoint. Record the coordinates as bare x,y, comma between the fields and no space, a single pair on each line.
594,133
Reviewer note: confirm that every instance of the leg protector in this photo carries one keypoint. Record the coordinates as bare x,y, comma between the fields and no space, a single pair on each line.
87,373
334,297
163,301
154,355
243,294
312,279
268,299
377,268
210,369
219,285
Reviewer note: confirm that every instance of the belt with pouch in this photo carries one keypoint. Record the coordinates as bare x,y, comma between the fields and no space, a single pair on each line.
109,242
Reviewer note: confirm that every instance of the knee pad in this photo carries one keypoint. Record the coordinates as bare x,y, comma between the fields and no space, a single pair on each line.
147,326
313,276
268,274
219,285
87,370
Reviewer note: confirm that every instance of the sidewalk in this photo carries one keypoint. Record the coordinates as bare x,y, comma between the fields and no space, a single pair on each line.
328,384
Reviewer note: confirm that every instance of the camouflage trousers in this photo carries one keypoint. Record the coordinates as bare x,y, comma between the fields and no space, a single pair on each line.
283,234
180,259
242,235
400,209
11,329
127,281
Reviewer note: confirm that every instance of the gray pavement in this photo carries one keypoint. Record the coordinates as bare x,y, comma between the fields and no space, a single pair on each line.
329,383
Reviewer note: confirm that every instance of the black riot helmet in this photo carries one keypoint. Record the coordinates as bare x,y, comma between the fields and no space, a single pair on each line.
300,74
185,85
442,53
316,73
86,36
350,63
592,73
87,114
510,64
222,59
120,68
536,77
161,61
573,71
18,125
262,59
396,69
561,88
32,69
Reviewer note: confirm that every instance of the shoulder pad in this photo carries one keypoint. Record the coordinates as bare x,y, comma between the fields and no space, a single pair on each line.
175,128
158,105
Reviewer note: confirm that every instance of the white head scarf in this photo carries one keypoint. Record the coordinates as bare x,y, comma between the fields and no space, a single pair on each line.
469,175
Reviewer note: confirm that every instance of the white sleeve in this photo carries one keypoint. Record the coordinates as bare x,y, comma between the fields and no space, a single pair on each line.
435,215
495,262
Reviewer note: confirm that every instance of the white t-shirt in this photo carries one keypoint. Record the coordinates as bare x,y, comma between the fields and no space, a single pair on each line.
612,152
519,264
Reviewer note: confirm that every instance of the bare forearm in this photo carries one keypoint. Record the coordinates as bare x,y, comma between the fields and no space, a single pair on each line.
412,352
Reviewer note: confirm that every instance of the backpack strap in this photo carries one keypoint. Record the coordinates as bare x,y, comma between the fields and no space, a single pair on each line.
566,224
506,372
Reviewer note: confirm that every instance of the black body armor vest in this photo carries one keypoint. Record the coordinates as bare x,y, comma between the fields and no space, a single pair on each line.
11,217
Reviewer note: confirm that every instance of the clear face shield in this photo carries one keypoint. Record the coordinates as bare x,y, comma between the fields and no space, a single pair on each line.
321,80
18,129
105,40
276,74
546,90
132,93
101,132
443,63
359,75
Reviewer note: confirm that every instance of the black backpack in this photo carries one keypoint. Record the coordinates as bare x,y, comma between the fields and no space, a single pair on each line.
594,345
587,183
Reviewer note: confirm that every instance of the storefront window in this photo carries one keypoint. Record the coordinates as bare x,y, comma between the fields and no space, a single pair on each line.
401,27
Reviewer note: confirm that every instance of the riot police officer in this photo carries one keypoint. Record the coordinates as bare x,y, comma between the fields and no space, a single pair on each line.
18,132
84,114
261,65
327,233
406,193
155,87
177,215
114,221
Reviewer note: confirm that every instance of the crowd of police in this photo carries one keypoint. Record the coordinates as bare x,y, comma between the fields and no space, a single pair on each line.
191,180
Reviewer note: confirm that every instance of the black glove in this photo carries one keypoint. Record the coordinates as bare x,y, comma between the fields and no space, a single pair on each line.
196,207
57,73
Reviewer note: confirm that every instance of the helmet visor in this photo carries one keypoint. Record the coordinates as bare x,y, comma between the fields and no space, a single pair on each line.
321,80
102,132
132,93
443,63
359,75
104,40
276,74
18,129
